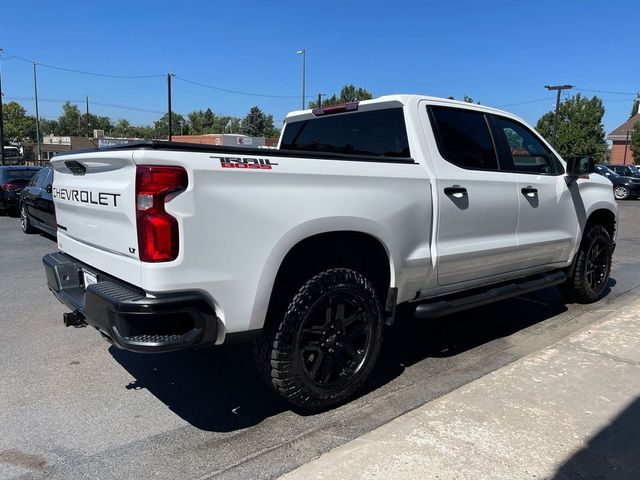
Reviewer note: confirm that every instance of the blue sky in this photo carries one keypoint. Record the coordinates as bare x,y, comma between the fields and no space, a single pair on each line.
499,52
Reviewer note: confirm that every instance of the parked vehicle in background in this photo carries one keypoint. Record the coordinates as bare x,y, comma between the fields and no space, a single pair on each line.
432,203
624,188
625,170
12,181
12,156
37,211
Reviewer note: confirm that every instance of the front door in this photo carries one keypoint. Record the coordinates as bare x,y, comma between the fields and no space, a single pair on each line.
548,223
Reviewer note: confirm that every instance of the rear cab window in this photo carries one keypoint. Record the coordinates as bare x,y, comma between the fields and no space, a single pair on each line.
380,133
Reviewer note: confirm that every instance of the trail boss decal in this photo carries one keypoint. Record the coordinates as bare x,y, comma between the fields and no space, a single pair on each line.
251,163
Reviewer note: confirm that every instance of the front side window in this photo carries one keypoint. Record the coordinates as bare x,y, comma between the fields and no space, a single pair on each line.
377,132
463,138
525,152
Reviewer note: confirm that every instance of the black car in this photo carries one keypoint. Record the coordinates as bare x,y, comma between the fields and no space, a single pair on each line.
625,170
36,204
12,181
623,187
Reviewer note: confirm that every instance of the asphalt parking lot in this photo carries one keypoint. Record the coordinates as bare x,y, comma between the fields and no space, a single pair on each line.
75,407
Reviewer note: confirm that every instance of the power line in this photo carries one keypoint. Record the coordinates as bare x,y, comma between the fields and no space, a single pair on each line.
62,100
546,99
83,72
212,87
606,91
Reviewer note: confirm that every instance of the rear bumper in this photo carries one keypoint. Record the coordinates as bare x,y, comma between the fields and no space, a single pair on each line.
9,202
125,315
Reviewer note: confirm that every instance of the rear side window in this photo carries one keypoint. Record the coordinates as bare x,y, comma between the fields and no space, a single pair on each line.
12,174
380,133
525,152
464,138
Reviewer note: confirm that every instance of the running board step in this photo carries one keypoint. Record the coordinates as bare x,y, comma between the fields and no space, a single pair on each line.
440,308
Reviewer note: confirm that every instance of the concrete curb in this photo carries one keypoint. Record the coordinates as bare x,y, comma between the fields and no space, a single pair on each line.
570,410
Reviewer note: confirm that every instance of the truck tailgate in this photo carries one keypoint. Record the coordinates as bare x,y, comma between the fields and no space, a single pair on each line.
94,197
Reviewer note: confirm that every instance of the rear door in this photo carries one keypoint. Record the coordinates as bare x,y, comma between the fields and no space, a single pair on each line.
31,194
547,218
477,203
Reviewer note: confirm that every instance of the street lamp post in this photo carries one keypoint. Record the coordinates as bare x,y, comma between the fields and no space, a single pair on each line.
35,88
303,52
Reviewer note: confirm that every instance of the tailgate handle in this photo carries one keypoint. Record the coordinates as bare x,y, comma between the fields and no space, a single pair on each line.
76,167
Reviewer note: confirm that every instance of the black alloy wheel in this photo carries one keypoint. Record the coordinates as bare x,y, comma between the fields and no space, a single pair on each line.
334,339
320,348
592,267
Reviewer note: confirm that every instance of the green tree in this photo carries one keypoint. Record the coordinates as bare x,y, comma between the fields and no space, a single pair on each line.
47,127
161,125
196,121
258,124
94,122
121,129
580,128
70,122
634,143
634,108
18,126
348,93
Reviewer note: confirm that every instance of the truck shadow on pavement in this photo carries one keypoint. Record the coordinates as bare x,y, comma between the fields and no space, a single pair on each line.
613,453
218,388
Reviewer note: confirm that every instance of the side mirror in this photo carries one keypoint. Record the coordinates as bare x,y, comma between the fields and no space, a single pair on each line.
578,166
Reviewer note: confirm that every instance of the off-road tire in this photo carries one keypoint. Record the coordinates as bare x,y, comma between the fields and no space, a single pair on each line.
25,222
580,287
279,350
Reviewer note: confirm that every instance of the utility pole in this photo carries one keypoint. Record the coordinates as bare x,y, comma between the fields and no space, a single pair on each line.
88,129
169,75
559,89
1,116
626,145
35,88
320,95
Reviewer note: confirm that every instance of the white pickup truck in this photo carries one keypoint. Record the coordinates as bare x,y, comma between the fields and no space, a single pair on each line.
307,249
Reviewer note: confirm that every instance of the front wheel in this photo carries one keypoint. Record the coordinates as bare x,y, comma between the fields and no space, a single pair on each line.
25,221
621,192
593,266
321,352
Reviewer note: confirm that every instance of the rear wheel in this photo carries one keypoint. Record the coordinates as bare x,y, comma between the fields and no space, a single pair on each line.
593,266
621,192
323,349
25,222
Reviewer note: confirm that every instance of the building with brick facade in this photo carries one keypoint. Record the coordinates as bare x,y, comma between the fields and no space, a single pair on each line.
621,154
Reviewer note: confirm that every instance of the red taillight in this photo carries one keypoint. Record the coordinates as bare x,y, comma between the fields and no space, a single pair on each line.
10,187
158,236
